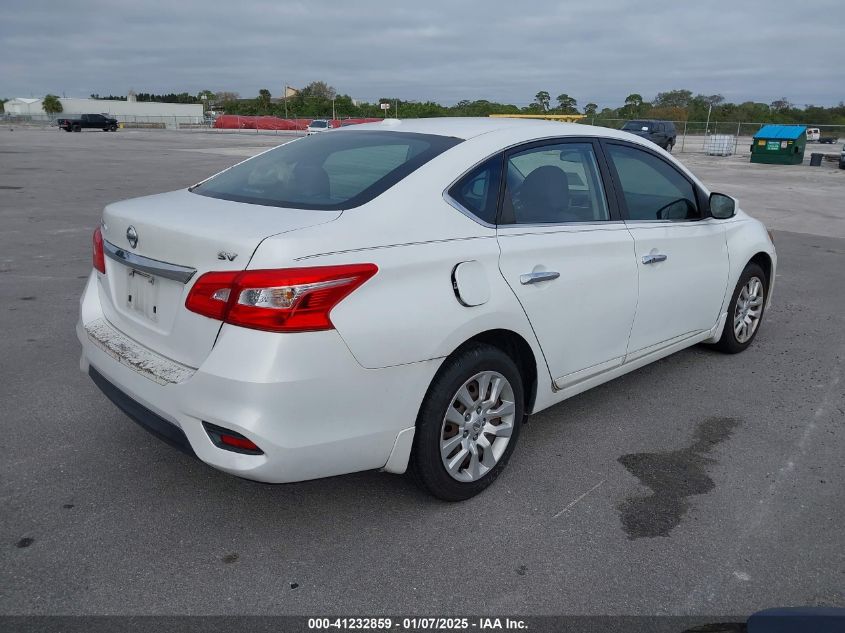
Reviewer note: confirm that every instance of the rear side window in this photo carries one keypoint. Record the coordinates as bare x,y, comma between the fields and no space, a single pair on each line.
478,191
653,189
553,184
331,171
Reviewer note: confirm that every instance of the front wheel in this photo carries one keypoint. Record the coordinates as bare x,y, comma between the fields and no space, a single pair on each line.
468,424
745,311
669,145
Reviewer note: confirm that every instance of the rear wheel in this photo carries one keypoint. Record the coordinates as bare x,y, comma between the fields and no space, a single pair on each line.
669,145
745,311
468,424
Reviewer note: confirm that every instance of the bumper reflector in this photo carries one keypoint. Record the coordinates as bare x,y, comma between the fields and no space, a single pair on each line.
230,440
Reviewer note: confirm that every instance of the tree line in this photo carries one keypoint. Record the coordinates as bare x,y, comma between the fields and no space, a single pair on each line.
318,99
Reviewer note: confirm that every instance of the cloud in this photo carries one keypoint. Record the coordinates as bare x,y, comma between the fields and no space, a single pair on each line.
445,51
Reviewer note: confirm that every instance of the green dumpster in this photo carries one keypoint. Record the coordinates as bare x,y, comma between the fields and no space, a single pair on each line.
779,145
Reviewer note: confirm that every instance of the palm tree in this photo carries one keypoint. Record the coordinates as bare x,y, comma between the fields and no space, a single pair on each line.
51,104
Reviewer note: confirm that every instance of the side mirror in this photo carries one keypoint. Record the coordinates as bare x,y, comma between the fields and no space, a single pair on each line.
722,207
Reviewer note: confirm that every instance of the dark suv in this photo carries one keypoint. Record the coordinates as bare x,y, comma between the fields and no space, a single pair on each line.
660,133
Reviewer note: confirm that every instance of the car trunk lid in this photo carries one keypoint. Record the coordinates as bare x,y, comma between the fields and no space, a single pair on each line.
156,248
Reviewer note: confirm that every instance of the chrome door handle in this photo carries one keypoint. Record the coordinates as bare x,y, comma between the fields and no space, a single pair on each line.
653,259
533,278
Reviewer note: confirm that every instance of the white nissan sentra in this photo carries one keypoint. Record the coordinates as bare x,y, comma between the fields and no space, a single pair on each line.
401,295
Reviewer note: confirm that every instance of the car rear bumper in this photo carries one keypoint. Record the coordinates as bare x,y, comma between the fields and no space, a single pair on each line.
305,401
146,419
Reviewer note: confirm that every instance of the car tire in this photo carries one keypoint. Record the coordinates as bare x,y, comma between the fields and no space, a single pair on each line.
77,128
455,425
113,128
748,303
669,145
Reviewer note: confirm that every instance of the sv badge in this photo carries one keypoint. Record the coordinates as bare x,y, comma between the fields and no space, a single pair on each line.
224,255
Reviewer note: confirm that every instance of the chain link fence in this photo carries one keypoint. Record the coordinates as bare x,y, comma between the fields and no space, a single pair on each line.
44,122
725,137
41,121
697,137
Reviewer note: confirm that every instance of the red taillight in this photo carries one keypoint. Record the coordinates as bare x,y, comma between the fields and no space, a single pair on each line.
210,294
284,300
99,255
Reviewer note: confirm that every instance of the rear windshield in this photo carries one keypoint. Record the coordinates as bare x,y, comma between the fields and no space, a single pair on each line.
330,172
318,124
637,126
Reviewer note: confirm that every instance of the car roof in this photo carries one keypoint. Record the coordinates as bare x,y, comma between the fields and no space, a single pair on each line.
649,121
469,127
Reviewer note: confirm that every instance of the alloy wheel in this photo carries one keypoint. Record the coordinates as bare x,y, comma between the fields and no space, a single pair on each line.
477,426
749,309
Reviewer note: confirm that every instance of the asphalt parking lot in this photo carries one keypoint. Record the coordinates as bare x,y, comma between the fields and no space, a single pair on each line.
701,484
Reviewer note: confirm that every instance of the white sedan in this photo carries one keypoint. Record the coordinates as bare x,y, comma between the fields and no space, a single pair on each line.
401,295
316,126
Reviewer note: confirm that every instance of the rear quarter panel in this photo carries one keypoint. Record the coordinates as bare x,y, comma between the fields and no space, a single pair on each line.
409,312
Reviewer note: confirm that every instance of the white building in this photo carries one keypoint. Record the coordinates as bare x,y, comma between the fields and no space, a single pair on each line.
23,106
129,111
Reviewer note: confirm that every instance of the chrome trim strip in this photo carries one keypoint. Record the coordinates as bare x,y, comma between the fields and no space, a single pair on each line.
588,224
684,221
182,274
459,207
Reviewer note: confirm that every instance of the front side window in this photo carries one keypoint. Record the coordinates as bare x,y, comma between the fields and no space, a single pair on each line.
552,184
327,171
478,191
653,189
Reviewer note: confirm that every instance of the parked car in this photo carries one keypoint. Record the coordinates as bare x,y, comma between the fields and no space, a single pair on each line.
842,158
94,121
318,125
828,139
661,133
813,134
403,294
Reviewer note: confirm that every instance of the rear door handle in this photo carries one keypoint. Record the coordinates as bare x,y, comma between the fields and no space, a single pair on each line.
533,278
653,258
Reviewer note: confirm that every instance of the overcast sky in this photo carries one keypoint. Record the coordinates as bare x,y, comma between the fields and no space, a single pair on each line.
594,50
